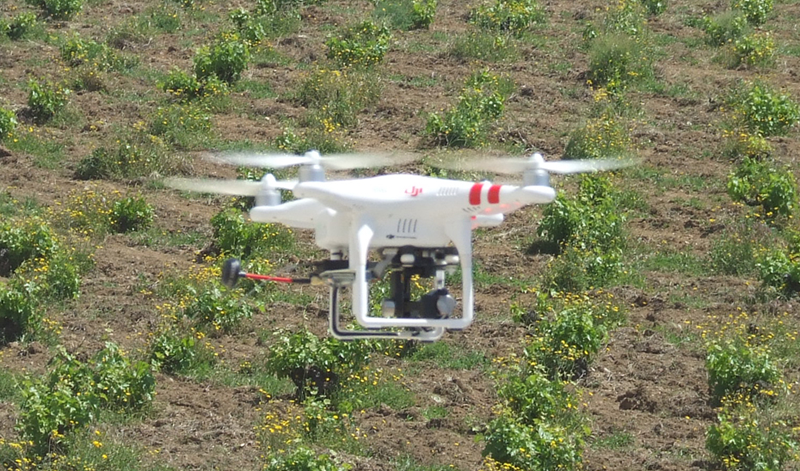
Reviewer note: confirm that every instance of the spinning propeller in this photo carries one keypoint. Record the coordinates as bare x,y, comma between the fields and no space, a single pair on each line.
266,191
535,170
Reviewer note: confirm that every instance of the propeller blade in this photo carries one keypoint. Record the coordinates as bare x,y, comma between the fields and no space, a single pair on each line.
222,187
333,161
585,165
265,160
227,187
513,165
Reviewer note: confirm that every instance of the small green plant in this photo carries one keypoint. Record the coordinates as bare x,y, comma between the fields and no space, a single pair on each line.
120,384
303,459
591,218
8,123
761,110
212,306
139,155
324,139
131,214
512,16
173,352
185,87
604,137
233,236
779,268
734,251
79,52
57,404
735,366
724,28
755,11
487,46
45,99
540,446
59,9
25,239
655,7
422,13
626,17
226,58
757,49
21,26
481,102
315,365
185,126
364,44
747,438
759,183
615,61
19,313
334,98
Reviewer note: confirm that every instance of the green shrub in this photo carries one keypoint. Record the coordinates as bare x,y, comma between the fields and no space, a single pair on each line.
757,49
303,459
185,87
487,46
626,18
481,102
746,438
8,123
734,251
53,406
566,343
734,366
131,214
513,16
325,140
655,7
210,305
19,312
172,352
764,111
78,52
46,99
21,26
315,365
25,239
615,60
226,58
119,383
56,277
604,137
135,156
724,28
185,126
759,183
780,269
234,236
406,14
591,218
364,44
336,97
59,9
541,446
422,13
755,11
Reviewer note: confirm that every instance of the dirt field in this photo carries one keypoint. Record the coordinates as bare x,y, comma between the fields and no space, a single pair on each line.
648,386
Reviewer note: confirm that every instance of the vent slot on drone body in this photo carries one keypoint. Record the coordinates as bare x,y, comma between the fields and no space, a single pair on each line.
407,226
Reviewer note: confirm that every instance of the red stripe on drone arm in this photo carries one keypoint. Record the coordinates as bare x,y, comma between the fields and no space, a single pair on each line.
494,194
475,194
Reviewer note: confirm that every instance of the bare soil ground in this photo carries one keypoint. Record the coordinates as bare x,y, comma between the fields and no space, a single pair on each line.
649,383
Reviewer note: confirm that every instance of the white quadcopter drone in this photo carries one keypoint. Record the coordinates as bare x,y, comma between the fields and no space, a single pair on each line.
419,226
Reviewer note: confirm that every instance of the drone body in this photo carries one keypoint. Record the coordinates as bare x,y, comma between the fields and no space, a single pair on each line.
419,226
